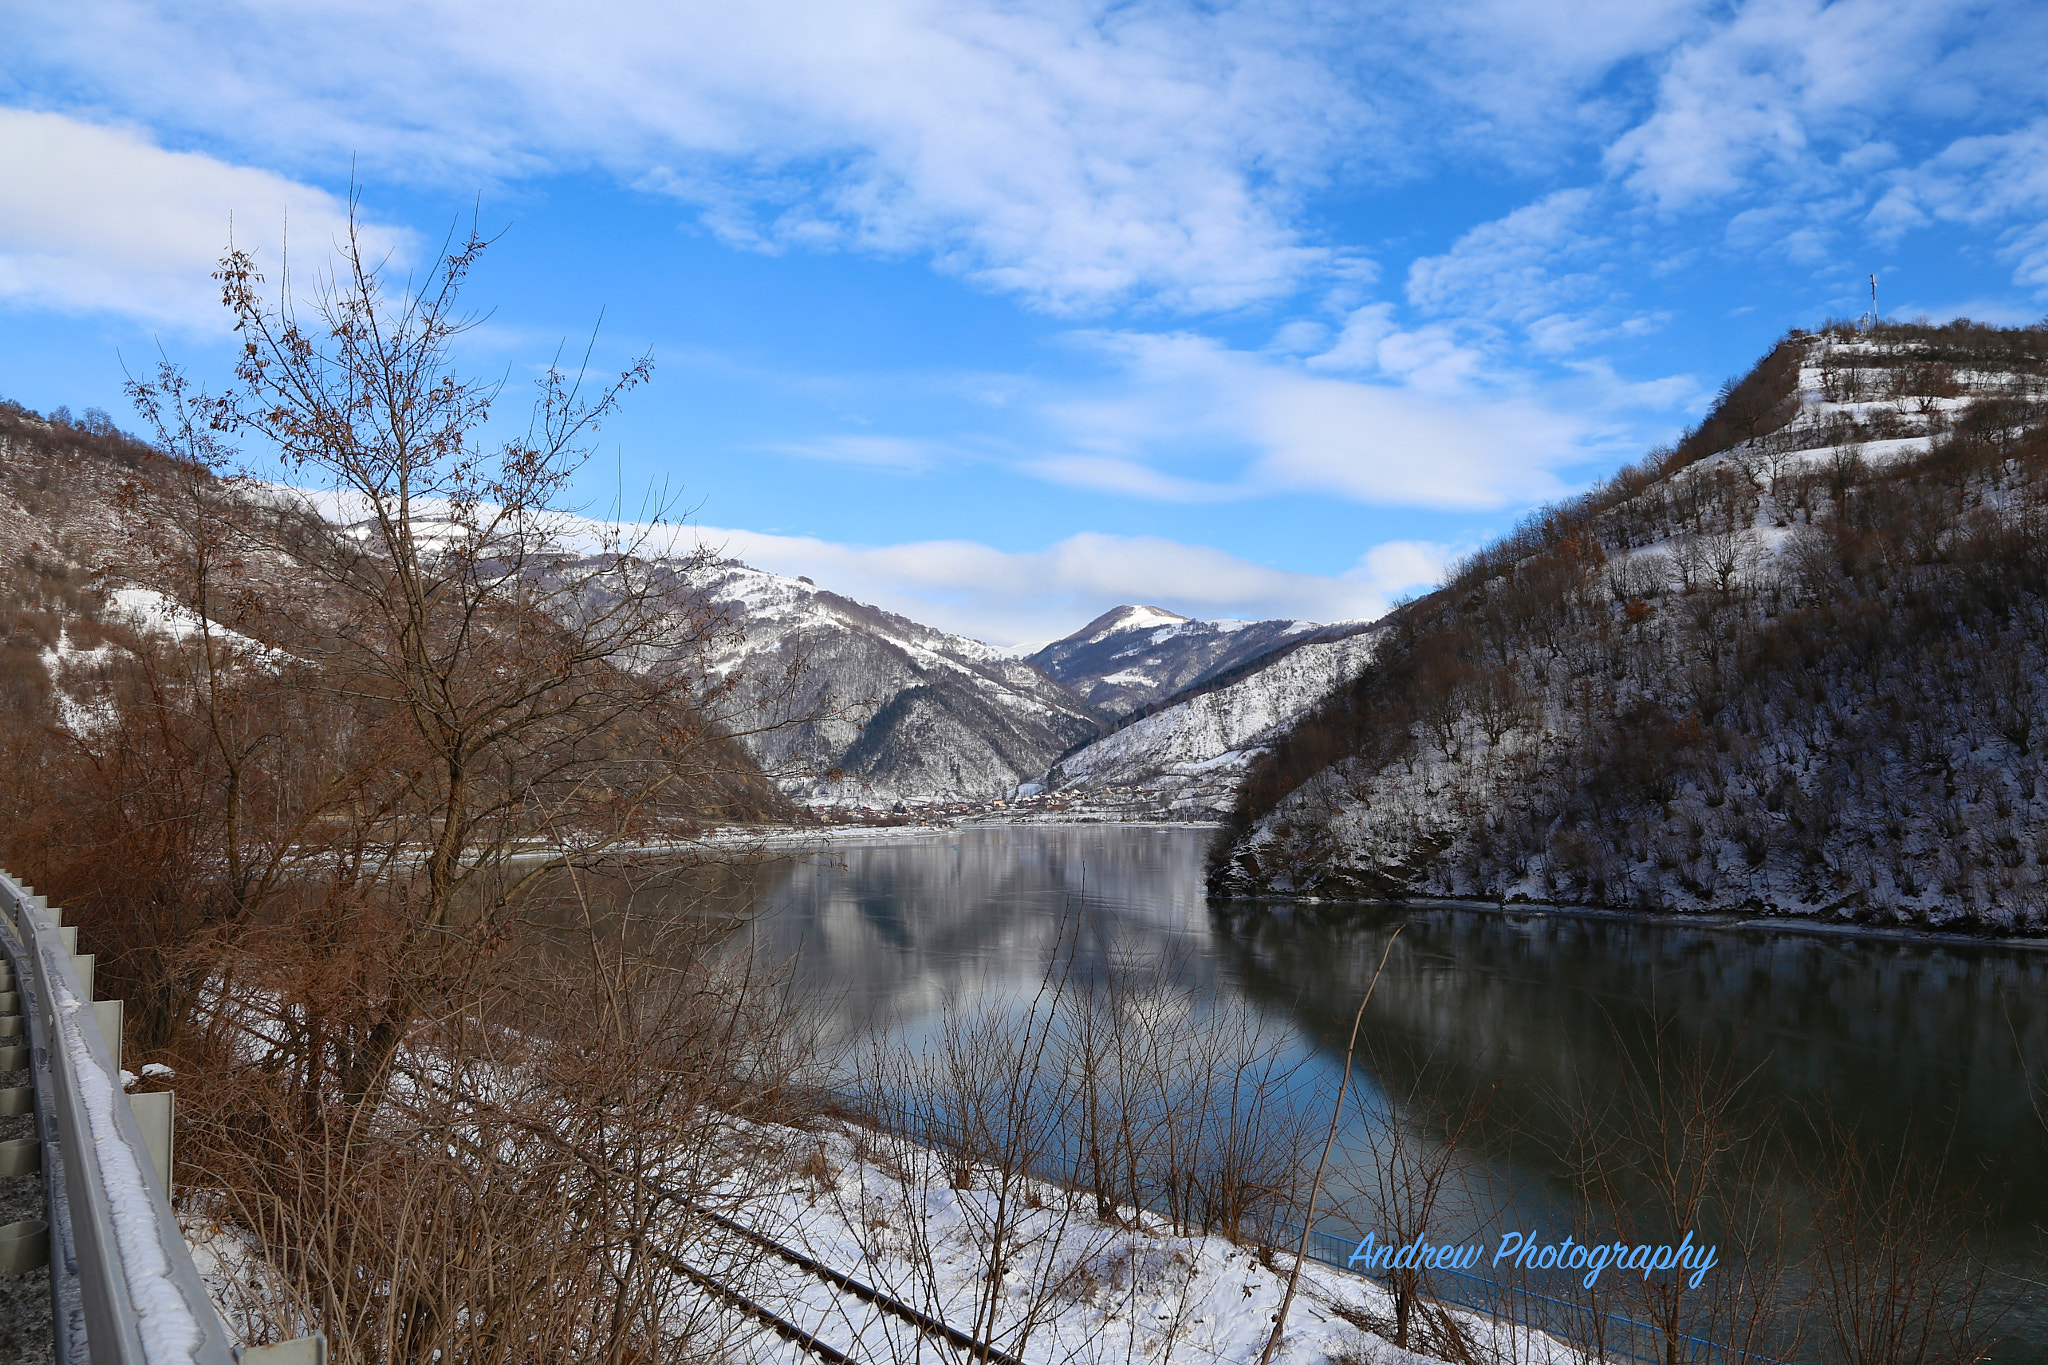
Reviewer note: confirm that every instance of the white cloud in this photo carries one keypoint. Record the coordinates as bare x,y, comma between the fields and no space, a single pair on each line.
1071,153
1790,92
98,218
1983,181
1193,420
1510,268
1107,474
1518,80
1009,597
1399,566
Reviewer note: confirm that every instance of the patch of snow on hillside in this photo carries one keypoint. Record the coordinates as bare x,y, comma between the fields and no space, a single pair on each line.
1188,757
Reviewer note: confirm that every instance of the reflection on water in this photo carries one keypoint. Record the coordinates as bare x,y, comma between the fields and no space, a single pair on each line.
886,932
1887,1035
1919,1040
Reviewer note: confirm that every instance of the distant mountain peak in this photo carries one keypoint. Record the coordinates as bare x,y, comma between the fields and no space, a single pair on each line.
1118,619
1134,655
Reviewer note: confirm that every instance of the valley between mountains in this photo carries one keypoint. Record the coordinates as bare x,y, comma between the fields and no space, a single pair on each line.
1793,663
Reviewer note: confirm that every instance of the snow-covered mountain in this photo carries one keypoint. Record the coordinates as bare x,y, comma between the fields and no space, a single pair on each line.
910,712
1797,663
1132,656
1183,760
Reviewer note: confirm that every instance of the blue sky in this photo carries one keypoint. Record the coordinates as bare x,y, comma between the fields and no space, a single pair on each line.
1000,314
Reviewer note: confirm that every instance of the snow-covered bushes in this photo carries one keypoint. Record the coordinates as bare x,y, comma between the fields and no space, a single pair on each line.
1796,675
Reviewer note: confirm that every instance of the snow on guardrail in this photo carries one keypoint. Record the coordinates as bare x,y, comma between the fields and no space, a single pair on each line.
123,1287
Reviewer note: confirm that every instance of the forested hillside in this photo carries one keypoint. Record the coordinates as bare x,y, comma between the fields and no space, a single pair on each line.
183,721
1794,663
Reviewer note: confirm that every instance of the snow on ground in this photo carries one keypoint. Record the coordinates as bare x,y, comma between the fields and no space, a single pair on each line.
1075,1289
149,610
917,1225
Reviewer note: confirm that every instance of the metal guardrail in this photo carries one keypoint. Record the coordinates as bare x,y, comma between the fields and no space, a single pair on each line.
123,1289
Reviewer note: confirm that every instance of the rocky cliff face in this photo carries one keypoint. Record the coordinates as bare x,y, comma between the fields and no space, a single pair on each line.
1797,664
903,711
1131,657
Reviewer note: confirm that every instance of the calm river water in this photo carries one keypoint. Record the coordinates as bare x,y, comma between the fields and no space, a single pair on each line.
1927,1045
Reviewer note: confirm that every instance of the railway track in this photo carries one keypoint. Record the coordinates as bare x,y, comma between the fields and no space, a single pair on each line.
975,1349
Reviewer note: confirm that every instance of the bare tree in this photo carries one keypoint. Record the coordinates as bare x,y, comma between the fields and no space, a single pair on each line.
430,1128
539,688
1676,1145
1725,556
1634,577
1898,1273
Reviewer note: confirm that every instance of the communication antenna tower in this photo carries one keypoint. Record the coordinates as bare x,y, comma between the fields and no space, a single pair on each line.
1869,319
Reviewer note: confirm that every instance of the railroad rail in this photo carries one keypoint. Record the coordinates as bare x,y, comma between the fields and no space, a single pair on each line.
838,1279
123,1289
776,1323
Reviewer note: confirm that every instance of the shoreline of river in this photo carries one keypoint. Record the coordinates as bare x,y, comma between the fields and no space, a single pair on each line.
797,838
1735,919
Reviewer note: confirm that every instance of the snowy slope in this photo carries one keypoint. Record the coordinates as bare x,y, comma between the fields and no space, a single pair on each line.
1077,1289
1133,655
1184,760
1798,674
909,712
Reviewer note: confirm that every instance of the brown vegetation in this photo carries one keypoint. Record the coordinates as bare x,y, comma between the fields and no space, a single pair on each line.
316,821
1843,726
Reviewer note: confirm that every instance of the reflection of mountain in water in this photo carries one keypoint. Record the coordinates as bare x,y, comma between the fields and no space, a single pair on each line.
888,931
1891,1036
1888,1034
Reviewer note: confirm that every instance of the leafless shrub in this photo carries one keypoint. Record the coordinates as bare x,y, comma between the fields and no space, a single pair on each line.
1677,1144
1115,1098
537,1159
1897,1274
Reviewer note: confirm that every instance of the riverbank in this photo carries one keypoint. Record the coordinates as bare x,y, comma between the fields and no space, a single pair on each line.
825,836
1773,921
1036,1273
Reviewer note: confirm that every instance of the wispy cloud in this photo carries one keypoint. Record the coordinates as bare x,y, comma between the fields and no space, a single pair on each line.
1984,181
1529,269
1191,419
1016,597
96,218
898,453
1077,154
1794,94
1070,154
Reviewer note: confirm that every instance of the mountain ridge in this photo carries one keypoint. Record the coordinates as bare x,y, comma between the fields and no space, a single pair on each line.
904,711
1133,655
1791,665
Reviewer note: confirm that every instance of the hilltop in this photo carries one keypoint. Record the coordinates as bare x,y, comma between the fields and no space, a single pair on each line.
1794,664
